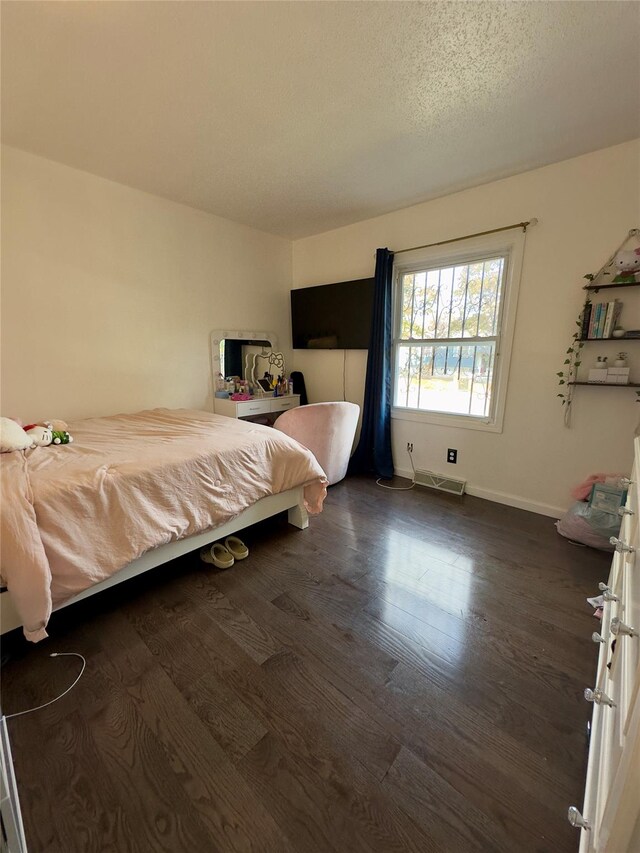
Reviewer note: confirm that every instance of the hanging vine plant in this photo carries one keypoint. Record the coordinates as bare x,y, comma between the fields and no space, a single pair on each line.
572,362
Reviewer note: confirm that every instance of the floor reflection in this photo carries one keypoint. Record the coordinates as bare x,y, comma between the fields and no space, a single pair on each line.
421,596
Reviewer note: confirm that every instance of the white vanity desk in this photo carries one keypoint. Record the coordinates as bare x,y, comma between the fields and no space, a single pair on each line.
251,342
255,406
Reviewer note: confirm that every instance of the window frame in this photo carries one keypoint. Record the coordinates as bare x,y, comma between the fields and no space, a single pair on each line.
511,247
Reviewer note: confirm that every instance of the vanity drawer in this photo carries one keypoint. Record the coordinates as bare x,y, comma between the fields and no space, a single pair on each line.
281,404
252,407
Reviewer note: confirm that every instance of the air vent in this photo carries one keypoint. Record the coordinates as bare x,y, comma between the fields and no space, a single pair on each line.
439,481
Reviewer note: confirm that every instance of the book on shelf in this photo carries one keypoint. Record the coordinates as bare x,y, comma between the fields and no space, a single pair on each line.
603,317
601,320
607,319
586,320
592,322
610,320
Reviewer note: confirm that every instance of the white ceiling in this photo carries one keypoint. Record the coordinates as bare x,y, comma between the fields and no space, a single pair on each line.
299,117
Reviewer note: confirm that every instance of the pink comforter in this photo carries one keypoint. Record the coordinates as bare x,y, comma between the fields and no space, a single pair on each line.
75,514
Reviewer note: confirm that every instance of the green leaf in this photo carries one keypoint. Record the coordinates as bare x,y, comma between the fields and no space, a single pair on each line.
578,363
560,373
567,361
562,382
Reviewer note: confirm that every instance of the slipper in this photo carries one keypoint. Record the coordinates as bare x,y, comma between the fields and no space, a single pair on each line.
236,547
217,555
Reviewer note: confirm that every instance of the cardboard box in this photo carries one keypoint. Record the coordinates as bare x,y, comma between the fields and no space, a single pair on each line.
596,375
619,375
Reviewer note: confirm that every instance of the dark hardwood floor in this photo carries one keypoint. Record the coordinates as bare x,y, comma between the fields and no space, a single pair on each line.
405,675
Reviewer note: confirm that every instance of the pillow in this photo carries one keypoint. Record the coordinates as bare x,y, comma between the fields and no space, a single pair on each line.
12,436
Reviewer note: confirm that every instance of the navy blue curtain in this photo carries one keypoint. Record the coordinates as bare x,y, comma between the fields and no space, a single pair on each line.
373,453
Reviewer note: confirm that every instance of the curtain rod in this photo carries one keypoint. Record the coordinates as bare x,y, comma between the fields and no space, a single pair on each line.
523,225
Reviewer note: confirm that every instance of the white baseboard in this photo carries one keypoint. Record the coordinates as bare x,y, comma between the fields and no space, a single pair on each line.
502,498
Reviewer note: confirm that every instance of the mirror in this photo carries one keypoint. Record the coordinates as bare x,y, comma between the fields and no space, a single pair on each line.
233,352
237,355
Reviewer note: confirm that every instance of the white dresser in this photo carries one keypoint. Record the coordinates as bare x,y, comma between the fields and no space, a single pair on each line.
255,406
610,818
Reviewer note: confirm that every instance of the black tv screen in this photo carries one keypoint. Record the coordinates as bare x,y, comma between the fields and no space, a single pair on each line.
332,316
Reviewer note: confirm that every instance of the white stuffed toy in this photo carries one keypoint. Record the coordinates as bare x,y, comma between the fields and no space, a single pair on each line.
626,264
41,436
49,432
12,436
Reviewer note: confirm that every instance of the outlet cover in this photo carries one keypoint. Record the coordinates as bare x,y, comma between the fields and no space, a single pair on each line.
452,455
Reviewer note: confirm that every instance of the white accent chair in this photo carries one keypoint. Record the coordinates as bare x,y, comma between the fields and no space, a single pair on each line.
327,430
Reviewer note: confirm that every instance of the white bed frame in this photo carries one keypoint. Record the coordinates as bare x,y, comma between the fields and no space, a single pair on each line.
291,500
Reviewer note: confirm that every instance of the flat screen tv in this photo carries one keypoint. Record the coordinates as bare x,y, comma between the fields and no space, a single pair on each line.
332,316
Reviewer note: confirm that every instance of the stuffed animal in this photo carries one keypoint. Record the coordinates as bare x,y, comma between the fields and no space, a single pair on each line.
56,424
48,432
40,436
12,436
626,264
59,432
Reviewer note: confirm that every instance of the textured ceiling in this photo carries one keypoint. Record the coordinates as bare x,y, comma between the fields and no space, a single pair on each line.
298,117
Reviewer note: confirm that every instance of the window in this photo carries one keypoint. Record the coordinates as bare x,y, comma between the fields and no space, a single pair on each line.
453,327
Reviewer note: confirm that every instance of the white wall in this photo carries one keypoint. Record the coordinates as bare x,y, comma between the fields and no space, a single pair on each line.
585,206
109,294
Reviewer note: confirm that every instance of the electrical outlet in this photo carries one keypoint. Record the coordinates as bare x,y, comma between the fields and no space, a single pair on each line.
409,447
452,455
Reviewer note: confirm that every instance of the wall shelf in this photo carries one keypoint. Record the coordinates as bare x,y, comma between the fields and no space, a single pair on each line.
608,277
607,384
600,340
597,287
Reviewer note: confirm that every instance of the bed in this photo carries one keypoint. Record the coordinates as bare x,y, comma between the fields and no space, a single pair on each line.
135,491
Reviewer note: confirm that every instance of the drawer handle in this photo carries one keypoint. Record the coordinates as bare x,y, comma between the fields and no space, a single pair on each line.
599,697
618,627
597,638
626,482
575,819
624,510
606,592
621,546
